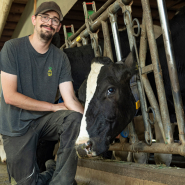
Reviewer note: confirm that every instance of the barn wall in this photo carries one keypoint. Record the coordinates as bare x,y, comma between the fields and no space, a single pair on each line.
25,27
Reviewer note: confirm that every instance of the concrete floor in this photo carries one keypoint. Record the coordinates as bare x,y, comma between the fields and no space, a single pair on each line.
3,175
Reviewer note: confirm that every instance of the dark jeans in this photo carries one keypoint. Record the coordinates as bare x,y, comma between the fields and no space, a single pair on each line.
21,151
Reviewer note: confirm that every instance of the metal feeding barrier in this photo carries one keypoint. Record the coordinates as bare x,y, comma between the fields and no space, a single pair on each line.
93,21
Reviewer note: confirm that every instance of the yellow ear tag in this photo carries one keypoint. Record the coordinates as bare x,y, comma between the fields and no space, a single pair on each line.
78,38
137,104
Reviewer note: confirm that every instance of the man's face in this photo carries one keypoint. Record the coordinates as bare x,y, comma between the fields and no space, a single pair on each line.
46,30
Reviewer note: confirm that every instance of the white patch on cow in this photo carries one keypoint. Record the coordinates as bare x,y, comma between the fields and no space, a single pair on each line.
2,151
90,90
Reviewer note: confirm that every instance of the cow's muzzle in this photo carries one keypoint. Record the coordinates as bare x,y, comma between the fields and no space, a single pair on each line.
85,150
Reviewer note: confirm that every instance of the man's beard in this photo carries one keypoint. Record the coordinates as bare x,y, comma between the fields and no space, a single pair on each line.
46,36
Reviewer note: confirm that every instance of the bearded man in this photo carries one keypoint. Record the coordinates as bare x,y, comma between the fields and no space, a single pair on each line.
32,69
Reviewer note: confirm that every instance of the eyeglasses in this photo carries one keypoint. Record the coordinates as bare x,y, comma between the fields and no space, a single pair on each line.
46,18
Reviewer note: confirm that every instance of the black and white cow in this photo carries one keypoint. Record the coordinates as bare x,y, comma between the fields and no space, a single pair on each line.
109,104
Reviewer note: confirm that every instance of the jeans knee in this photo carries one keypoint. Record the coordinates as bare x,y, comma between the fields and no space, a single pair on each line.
76,116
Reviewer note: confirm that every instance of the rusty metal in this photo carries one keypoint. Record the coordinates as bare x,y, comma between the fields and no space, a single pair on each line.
107,42
84,41
173,148
157,71
93,36
97,23
146,83
172,69
131,35
92,17
133,138
65,34
147,69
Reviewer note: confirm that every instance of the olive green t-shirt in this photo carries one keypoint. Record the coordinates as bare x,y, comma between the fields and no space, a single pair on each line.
38,77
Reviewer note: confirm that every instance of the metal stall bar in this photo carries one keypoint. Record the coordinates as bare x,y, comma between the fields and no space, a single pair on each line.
132,41
92,17
157,71
107,43
146,83
117,44
172,69
96,23
173,148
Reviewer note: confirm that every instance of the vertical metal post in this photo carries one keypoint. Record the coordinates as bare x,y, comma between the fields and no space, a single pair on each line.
172,69
157,71
132,42
107,43
84,41
114,25
146,83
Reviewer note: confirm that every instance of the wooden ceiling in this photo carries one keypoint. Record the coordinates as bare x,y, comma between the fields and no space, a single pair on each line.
76,16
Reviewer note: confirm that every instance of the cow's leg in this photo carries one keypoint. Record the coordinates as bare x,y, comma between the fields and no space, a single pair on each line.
158,157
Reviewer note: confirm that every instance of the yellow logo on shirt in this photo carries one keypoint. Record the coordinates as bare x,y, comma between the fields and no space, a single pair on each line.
50,71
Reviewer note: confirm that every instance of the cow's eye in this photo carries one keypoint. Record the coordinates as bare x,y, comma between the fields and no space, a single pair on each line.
111,90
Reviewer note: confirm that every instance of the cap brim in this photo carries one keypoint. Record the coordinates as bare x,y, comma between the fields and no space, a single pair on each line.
60,15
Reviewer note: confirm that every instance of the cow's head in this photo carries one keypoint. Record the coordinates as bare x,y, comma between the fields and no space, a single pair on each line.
109,105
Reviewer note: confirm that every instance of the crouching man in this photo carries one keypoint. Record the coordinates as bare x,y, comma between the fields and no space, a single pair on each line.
31,71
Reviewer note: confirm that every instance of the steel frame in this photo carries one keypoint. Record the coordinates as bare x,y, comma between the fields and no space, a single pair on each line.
161,110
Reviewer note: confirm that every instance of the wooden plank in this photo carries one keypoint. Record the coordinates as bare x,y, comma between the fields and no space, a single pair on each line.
20,1
17,8
5,38
1,44
7,32
10,25
13,17
179,5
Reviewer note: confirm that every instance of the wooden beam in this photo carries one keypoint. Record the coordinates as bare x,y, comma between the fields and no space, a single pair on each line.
179,5
13,17
1,44
10,25
20,1
17,8
5,38
7,32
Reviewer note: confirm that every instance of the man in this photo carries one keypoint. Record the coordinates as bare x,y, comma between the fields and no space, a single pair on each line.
31,71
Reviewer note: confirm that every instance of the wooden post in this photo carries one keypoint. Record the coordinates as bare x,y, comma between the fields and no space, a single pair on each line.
35,6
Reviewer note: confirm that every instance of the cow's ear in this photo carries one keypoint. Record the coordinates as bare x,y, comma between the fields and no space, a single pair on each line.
127,75
131,62
82,92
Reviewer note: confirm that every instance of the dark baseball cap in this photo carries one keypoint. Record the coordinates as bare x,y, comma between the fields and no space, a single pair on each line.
47,6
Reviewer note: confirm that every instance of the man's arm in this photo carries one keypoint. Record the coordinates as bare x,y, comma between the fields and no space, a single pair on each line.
70,100
12,97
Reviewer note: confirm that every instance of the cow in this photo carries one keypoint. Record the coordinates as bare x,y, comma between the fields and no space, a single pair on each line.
109,104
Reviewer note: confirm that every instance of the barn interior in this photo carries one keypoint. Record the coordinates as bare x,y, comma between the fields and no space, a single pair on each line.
11,27
74,15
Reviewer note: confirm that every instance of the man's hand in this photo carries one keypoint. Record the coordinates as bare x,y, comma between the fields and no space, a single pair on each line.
59,106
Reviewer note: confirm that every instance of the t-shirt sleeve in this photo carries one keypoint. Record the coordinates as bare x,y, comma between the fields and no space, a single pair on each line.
65,74
7,59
